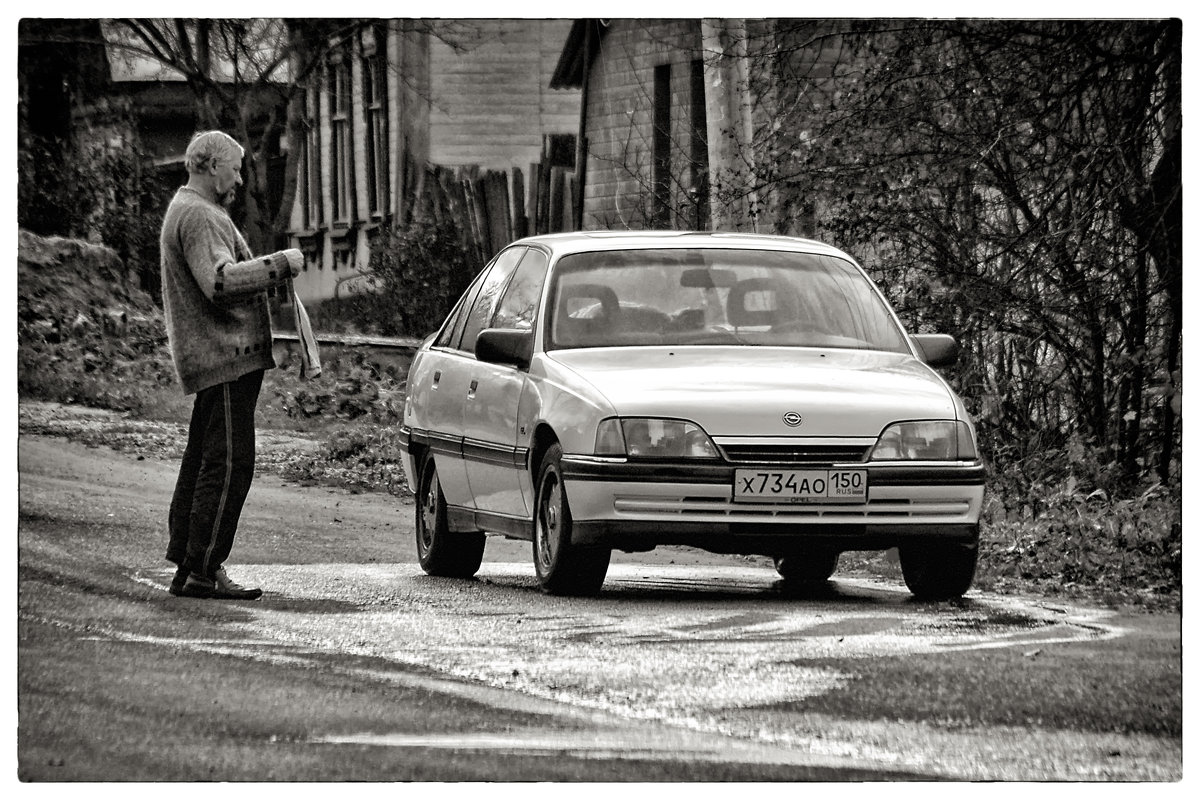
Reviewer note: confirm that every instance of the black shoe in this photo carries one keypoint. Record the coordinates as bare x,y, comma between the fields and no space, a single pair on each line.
198,586
228,590
178,581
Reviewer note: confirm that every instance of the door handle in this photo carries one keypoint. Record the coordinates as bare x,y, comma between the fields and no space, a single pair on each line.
437,376
471,391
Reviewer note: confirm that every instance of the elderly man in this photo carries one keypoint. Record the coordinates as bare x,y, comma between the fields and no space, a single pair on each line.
215,299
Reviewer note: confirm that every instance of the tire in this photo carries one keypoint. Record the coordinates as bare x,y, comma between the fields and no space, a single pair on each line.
440,551
940,570
812,567
562,567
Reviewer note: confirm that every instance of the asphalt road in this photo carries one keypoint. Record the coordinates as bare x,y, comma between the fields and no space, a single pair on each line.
688,664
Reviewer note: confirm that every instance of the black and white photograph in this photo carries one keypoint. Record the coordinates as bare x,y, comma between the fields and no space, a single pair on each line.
452,396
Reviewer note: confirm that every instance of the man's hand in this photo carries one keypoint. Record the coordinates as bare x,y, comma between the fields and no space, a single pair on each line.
295,260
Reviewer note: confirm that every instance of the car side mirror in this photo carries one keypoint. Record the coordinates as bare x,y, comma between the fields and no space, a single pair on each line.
505,346
936,349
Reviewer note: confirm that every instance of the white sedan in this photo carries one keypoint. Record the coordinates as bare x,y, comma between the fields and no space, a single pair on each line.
737,393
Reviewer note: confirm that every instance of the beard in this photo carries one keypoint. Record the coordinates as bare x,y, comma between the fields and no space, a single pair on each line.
228,197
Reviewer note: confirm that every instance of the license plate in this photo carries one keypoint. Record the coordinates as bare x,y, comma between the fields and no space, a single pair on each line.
800,485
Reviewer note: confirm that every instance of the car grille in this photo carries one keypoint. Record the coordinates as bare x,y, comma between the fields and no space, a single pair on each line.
950,508
803,454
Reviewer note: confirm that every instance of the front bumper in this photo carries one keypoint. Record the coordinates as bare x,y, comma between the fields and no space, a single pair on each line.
639,506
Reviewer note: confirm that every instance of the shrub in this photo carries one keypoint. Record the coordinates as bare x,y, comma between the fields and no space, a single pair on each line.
126,373
347,389
93,193
1067,520
85,333
416,273
360,459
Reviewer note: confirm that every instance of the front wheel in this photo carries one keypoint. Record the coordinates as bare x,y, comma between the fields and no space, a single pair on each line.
939,570
562,567
440,551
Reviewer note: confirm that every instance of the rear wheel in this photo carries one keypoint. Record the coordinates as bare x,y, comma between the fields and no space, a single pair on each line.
939,570
440,551
562,566
809,567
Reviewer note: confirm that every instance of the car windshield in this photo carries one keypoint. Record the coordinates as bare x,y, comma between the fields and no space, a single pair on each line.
680,297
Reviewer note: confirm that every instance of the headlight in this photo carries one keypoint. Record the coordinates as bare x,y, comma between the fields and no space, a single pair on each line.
648,437
945,440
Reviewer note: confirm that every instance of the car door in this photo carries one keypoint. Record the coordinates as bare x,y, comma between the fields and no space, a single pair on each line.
444,380
436,404
494,448
440,385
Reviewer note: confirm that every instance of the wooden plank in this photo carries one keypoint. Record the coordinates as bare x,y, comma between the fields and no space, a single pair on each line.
443,202
557,180
520,220
482,215
532,201
454,205
568,210
495,189
466,216
544,197
477,211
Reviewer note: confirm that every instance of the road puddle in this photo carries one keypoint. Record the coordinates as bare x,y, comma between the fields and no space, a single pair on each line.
698,648
624,744
580,744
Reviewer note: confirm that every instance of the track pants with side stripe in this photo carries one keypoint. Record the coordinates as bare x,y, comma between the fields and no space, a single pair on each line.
215,476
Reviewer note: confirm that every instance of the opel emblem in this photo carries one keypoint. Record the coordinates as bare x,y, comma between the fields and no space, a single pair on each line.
792,419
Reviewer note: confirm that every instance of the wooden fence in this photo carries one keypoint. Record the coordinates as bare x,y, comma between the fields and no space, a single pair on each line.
493,207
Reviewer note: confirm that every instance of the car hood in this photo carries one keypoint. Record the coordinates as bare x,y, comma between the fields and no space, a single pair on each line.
740,391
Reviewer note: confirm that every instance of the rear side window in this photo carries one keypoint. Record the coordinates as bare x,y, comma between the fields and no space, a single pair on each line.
484,304
452,328
519,305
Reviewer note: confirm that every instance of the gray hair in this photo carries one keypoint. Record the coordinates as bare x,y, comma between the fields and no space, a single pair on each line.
209,147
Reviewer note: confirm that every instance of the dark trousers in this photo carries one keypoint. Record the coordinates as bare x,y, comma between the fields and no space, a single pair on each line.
215,476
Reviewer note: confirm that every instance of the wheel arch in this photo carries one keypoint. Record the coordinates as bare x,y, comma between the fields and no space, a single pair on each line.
417,453
543,438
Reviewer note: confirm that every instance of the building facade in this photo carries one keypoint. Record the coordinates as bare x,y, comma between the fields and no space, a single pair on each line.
679,116
394,98
644,142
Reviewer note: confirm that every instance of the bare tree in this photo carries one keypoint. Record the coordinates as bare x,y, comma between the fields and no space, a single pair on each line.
1011,181
250,76
246,75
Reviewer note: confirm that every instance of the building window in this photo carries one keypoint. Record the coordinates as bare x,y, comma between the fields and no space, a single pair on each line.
375,97
310,246
313,212
341,149
341,247
661,200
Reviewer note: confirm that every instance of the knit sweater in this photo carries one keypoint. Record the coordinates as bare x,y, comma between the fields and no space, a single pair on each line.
215,293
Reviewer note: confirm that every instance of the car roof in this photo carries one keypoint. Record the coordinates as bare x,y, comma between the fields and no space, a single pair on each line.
586,241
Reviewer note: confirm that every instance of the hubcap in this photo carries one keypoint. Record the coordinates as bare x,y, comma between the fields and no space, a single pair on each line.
429,511
547,529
